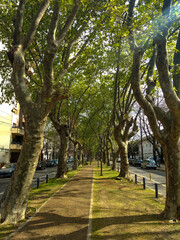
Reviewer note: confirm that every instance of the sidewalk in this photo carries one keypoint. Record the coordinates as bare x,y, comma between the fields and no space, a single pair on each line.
64,216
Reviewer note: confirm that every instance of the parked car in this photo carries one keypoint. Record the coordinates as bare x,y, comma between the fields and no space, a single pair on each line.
41,165
151,158
55,162
148,164
137,161
131,161
118,160
7,170
70,160
50,163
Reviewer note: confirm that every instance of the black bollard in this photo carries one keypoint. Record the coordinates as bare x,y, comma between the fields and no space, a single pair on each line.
135,178
37,182
46,178
156,190
144,183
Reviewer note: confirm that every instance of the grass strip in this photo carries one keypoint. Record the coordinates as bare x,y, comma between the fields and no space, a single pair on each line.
36,198
123,210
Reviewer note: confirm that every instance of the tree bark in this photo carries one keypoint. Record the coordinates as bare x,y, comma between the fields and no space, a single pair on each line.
14,200
80,154
124,172
107,154
114,156
172,161
122,135
75,156
64,143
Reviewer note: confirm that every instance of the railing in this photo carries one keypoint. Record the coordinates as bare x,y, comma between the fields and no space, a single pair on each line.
16,146
17,130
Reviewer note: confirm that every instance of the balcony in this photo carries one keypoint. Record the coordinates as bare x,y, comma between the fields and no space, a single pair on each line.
16,147
17,131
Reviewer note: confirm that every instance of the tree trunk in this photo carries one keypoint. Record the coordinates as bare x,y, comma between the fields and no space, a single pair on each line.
82,157
114,155
123,148
142,152
104,155
62,163
172,160
80,154
107,154
124,172
75,157
14,200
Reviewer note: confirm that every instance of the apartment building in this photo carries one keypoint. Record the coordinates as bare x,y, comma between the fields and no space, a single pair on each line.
11,133
6,117
17,133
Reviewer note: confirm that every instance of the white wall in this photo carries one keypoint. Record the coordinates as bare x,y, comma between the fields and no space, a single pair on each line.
147,148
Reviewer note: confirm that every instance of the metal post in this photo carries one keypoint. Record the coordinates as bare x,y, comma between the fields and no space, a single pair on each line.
144,183
135,178
46,178
150,175
37,182
156,190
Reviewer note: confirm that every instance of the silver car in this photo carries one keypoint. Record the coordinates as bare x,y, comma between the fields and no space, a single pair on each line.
7,170
148,164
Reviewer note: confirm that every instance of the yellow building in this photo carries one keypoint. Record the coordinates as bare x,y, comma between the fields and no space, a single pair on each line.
11,133
17,133
5,132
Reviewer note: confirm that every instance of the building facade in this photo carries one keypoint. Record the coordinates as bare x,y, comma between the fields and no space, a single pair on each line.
11,133
6,117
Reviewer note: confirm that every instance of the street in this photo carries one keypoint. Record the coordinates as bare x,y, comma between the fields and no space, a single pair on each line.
41,174
151,176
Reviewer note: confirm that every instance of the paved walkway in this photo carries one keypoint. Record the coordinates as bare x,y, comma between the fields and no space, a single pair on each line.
66,215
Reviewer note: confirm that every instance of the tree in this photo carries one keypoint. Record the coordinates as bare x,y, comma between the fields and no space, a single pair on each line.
42,51
124,121
123,118
157,43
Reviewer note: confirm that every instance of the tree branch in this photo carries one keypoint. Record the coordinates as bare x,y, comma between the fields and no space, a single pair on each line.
68,23
34,25
171,98
71,44
129,23
135,81
134,130
19,23
51,37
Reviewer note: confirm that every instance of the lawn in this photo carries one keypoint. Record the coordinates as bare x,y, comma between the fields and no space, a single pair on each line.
123,210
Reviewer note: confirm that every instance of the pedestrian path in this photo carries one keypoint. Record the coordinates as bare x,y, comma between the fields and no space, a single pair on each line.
66,215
